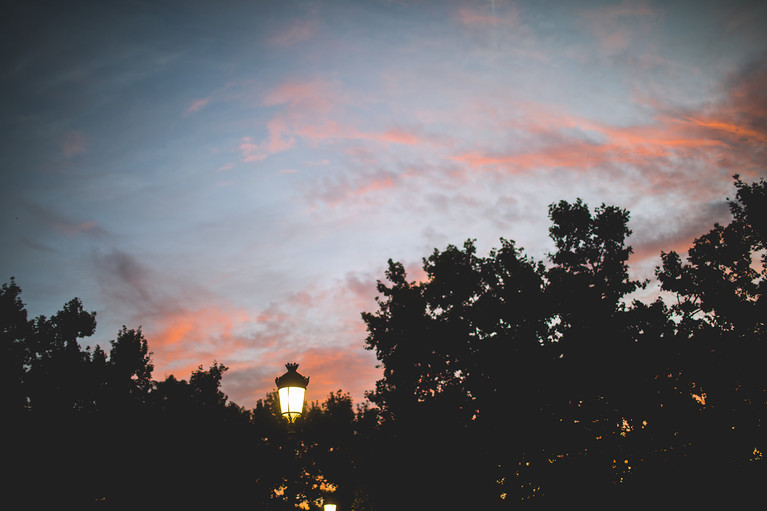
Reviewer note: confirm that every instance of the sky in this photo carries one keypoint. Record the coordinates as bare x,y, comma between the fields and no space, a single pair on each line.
233,176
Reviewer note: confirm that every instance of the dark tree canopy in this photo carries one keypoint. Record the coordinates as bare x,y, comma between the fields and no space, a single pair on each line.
554,387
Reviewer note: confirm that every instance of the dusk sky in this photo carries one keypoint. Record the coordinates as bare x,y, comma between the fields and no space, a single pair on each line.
232,176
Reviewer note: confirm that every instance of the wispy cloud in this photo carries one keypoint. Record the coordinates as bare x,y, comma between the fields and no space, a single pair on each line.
279,139
46,219
316,112
73,143
675,137
197,105
618,26
187,326
293,33
488,15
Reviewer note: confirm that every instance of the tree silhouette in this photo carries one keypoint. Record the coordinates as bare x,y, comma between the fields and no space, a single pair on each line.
551,387
14,331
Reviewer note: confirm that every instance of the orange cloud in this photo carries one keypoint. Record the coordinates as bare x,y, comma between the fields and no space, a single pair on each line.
723,136
729,128
181,340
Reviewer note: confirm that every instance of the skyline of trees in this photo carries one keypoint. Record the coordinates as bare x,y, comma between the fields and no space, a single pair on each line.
506,380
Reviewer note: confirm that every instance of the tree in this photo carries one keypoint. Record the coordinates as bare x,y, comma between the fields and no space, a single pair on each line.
607,397
451,347
129,370
14,330
720,335
592,358
57,378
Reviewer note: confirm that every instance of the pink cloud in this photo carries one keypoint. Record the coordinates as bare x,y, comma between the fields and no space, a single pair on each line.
493,14
63,224
315,111
618,25
73,229
332,363
279,139
197,105
251,151
298,32
73,143
399,136
187,327
343,188
316,95
351,369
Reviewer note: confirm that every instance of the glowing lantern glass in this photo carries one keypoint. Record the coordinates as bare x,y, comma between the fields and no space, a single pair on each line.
330,507
292,388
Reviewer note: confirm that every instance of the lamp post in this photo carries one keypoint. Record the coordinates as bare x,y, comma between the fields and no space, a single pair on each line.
292,388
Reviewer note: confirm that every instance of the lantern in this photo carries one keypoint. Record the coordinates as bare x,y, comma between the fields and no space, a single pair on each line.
291,387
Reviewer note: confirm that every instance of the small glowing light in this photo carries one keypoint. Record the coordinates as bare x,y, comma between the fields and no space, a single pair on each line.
330,507
291,402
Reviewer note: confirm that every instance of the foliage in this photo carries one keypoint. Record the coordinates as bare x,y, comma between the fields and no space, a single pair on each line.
551,386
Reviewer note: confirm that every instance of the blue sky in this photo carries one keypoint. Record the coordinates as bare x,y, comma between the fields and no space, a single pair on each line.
233,176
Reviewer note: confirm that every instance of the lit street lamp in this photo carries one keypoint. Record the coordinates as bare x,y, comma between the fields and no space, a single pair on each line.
330,507
292,388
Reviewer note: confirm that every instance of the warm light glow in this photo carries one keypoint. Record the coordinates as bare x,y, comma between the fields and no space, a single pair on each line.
291,402
330,507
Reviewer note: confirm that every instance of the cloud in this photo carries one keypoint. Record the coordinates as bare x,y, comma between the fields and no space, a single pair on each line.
618,26
197,105
61,223
278,140
183,339
491,15
187,325
317,112
662,152
650,237
400,136
315,95
321,329
295,33
73,143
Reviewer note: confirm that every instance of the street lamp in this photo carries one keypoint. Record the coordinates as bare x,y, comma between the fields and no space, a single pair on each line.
330,507
291,387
